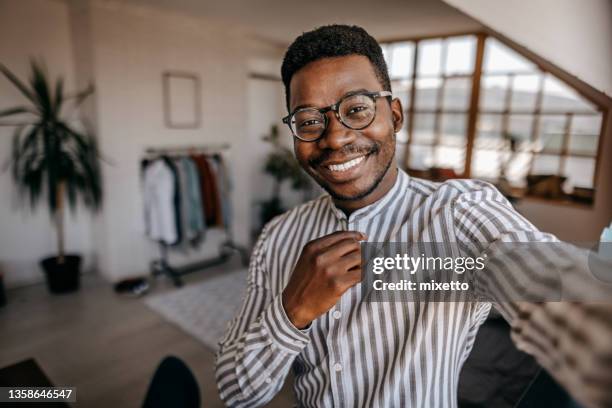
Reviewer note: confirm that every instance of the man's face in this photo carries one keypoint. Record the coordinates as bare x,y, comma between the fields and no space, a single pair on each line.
370,151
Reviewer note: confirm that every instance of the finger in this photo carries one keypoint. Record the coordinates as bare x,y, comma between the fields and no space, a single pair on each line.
350,261
352,276
334,237
341,248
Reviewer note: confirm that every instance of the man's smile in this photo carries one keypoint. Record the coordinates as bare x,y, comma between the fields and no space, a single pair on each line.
338,171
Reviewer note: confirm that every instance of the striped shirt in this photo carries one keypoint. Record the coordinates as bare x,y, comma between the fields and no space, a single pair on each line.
400,354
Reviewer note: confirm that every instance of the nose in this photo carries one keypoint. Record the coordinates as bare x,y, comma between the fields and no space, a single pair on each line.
336,135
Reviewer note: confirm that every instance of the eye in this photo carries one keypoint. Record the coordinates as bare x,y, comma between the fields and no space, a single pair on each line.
309,122
357,109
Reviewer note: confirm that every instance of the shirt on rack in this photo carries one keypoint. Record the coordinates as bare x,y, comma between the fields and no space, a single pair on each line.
209,191
223,187
159,194
183,191
194,212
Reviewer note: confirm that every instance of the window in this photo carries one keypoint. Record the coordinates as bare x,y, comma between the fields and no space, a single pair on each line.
527,131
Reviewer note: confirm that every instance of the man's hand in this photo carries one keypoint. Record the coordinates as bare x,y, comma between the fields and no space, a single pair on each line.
327,267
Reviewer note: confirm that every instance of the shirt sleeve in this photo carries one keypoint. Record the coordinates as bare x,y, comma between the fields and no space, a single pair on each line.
260,344
566,338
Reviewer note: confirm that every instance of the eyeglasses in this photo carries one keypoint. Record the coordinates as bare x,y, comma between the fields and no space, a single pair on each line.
356,111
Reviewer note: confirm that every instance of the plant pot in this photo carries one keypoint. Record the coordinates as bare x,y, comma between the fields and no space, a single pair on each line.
62,277
2,292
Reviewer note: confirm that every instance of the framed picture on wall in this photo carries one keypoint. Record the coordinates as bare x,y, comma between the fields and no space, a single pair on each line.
181,93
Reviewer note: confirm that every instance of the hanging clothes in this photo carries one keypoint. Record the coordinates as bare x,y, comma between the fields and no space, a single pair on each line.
209,191
224,187
194,212
160,194
183,192
184,196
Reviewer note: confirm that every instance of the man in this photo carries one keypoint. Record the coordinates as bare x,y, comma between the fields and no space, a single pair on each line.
304,308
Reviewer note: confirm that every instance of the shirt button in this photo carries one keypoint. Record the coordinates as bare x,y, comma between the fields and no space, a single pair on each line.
336,314
338,367
268,380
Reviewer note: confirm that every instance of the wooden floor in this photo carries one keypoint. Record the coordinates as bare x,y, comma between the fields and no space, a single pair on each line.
105,345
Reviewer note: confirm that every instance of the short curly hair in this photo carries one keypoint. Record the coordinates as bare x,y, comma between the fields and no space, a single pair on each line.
333,41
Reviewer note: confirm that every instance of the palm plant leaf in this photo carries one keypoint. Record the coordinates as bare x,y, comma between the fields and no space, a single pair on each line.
49,156
40,86
79,97
17,83
18,110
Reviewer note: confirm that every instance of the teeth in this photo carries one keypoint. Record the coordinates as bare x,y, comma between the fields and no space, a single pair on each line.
345,166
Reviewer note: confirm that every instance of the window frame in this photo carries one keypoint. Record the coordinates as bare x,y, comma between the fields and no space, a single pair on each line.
474,110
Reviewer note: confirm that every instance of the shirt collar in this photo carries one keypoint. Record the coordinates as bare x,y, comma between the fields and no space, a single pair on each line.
393,197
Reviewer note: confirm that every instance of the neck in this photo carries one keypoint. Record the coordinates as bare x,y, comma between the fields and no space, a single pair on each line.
384,186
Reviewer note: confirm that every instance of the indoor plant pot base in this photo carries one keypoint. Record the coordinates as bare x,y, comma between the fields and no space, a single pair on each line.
62,277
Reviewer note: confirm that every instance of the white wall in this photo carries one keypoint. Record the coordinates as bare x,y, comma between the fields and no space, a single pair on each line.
572,34
33,28
132,47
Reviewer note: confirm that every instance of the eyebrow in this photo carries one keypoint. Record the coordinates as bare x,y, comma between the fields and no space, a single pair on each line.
349,93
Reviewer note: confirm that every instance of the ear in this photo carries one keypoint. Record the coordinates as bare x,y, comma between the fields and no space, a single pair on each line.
397,114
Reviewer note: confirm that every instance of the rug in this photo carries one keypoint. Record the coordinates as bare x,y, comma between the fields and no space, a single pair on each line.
205,308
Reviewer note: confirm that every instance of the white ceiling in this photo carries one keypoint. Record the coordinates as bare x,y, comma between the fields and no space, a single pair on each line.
280,21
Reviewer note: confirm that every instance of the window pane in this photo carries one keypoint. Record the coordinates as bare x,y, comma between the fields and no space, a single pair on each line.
485,164
493,92
524,92
401,90
552,128
400,60
579,172
385,49
447,157
489,131
421,157
517,167
430,53
457,93
545,164
560,97
427,93
460,55
585,134
453,129
400,154
402,135
519,129
423,129
499,58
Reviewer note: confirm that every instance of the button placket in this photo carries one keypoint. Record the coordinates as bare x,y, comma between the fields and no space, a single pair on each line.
335,354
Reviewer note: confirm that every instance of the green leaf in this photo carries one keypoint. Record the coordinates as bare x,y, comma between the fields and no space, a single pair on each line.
81,96
38,82
17,83
18,110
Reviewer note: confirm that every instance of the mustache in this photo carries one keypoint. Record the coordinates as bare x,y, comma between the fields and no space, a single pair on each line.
372,148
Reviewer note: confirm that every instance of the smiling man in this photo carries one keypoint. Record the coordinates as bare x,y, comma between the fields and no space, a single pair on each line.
304,308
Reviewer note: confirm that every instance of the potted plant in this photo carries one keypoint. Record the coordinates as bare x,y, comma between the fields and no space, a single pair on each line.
282,166
53,158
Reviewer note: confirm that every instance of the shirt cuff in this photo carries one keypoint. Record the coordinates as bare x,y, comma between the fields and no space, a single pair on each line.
281,330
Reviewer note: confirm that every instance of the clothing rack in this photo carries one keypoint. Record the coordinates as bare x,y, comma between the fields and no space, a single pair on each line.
227,248
182,150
